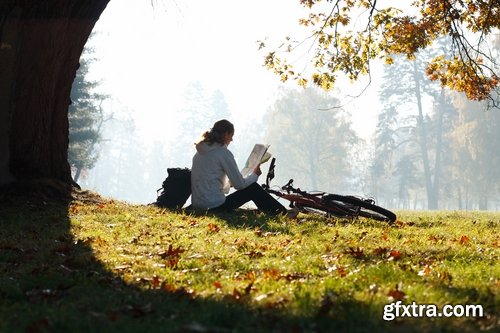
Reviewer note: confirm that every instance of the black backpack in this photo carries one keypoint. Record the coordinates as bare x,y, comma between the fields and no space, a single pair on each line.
176,189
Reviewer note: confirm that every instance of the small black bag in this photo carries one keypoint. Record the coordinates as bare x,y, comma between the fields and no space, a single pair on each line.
176,189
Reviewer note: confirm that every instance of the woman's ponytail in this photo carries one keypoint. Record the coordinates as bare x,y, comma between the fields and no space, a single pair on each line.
217,132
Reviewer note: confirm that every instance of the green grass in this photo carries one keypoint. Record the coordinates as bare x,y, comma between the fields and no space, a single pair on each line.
105,266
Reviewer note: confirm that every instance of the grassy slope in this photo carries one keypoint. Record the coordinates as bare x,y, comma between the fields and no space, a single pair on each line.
106,266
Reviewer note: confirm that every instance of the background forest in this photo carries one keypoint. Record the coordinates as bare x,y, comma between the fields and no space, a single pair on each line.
432,149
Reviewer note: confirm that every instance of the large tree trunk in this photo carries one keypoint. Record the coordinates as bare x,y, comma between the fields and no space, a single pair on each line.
41,43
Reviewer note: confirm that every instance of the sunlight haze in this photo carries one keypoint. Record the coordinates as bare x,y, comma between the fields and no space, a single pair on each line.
148,52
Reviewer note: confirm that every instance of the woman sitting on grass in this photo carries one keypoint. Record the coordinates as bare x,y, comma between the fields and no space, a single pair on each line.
213,165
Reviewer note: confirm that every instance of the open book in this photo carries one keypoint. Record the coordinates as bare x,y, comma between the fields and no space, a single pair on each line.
258,156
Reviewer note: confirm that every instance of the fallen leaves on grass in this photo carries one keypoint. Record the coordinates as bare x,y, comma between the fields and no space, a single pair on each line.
250,276
363,235
336,236
356,252
275,274
380,251
248,288
171,255
373,289
464,240
396,294
341,270
74,209
437,238
399,224
218,285
214,228
254,254
394,255
122,267
390,254
155,281
236,294
94,241
258,232
426,271
445,277
241,296
178,291
271,273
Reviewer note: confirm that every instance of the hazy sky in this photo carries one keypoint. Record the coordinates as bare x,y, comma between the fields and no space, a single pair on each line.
149,50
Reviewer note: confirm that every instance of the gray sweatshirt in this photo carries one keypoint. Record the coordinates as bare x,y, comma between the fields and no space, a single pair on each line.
212,166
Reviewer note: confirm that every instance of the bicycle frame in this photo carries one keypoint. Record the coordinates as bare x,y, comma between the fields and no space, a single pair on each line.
296,196
299,198
345,206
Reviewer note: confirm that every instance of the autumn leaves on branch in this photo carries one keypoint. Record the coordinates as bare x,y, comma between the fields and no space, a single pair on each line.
346,35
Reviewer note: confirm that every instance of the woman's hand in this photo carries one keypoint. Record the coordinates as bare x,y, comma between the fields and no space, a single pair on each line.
257,170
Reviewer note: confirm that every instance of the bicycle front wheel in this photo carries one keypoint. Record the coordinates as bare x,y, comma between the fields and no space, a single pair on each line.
354,206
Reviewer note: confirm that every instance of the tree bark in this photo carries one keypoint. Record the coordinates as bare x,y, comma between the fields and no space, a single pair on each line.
41,43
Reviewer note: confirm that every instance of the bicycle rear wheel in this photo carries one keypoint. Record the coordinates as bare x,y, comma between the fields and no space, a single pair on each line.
305,208
354,206
334,208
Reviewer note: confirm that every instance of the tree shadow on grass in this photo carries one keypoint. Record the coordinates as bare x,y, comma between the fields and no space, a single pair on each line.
49,282
249,219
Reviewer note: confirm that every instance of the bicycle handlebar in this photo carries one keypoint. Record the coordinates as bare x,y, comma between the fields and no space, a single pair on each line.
288,186
270,172
270,175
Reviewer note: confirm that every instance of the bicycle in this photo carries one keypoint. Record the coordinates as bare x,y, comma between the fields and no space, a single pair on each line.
344,206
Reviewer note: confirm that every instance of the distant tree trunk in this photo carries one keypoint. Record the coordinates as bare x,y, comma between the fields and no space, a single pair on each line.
78,172
431,200
439,149
460,207
40,45
483,203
